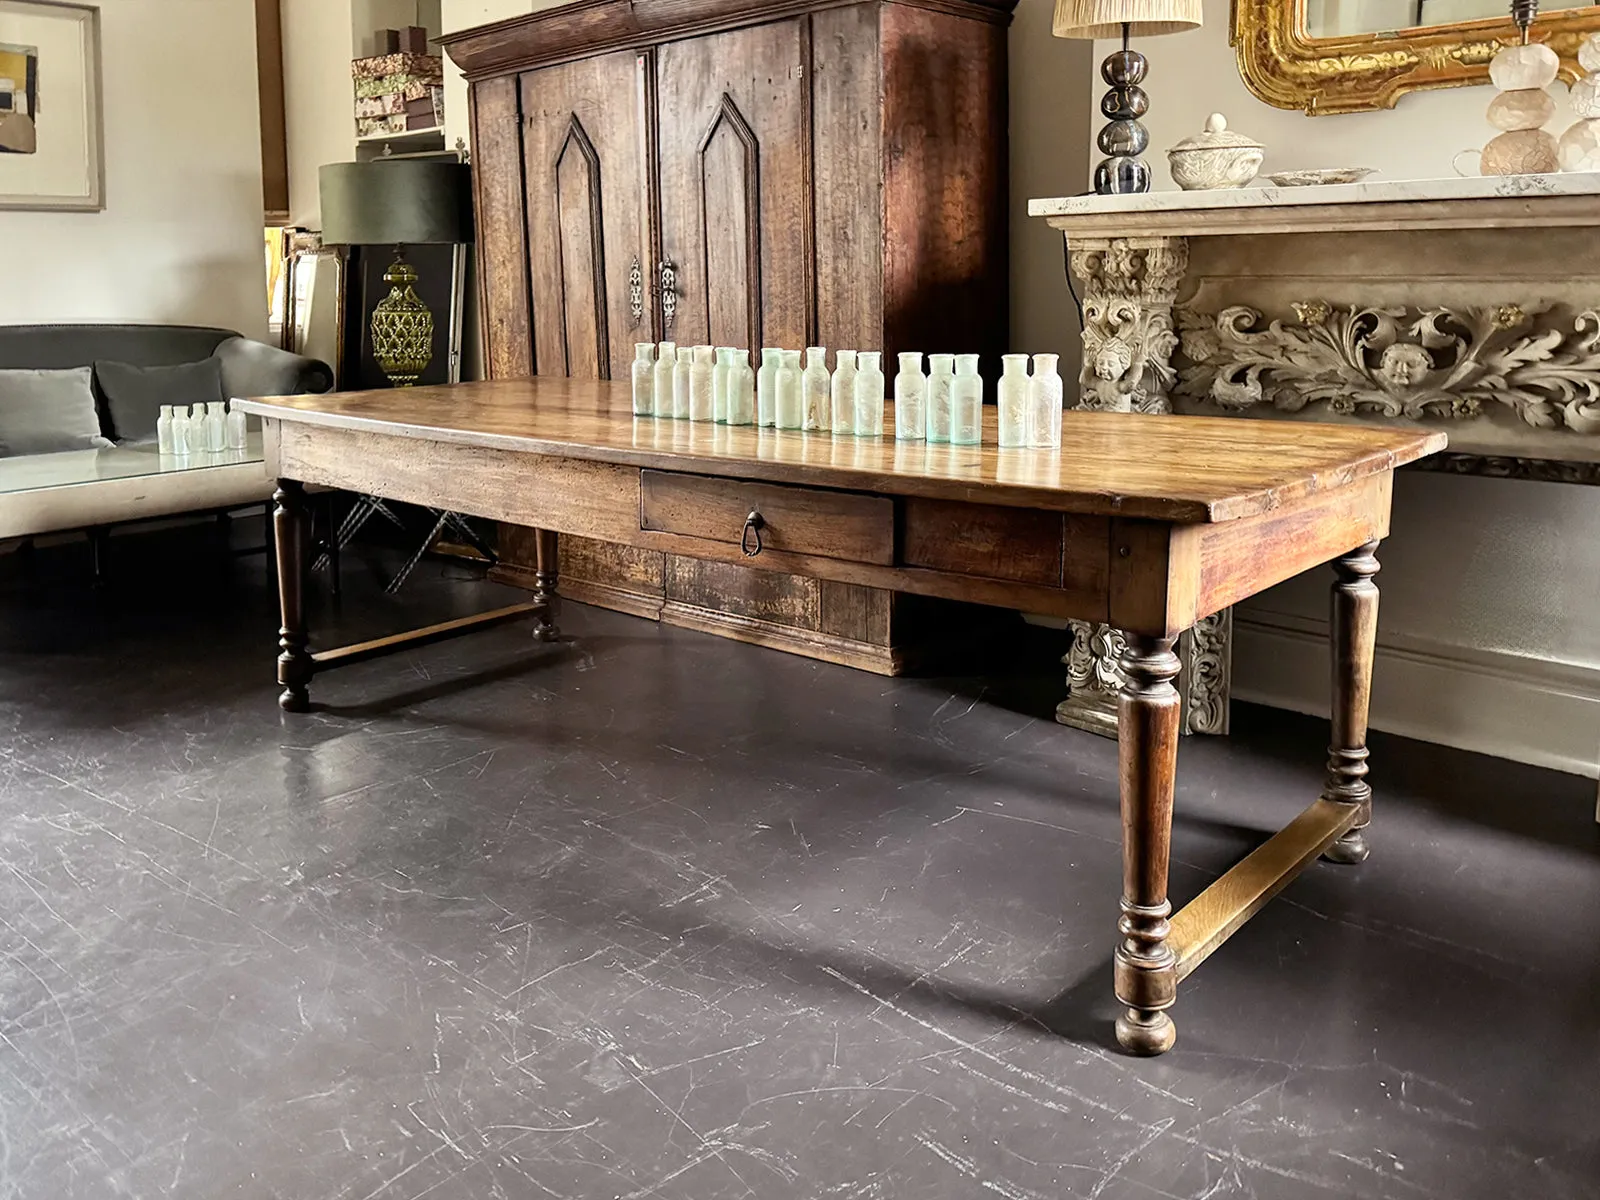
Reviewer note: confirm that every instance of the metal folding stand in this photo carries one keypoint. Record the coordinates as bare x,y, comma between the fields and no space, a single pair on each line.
366,507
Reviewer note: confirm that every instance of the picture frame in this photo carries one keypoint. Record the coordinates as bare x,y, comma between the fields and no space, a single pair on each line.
52,128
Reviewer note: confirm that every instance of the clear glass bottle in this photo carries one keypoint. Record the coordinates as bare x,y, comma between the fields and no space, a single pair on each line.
238,429
1011,398
1045,394
819,411
681,373
843,398
180,430
791,391
966,403
216,426
644,378
164,430
700,402
720,374
941,379
910,399
767,388
869,394
661,392
741,389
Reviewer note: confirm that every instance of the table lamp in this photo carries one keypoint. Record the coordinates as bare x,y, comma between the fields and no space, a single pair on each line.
406,203
1124,138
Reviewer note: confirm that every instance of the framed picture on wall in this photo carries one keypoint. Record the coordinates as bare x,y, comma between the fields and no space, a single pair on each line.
52,154
440,285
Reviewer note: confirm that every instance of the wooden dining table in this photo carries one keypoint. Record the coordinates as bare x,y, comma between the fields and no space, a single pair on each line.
1147,524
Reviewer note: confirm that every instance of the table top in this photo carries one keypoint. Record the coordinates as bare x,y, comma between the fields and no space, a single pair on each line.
1183,469
70,468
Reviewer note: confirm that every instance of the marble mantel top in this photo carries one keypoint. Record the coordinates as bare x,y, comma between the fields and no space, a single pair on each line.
1473,203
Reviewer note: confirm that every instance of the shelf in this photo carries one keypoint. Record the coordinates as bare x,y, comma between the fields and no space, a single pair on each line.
410,135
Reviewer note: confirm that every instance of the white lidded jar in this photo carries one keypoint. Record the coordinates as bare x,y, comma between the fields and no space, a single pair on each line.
767,388
941,379
843,399
238,429
818,412
741,389
1045,394
966,403
869,394
682,371
720,374
791,391
700,406
216,426
910,399
644,378
164,430
1012,400
661,392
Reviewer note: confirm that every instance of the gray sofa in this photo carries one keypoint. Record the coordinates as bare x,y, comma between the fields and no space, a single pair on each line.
121,478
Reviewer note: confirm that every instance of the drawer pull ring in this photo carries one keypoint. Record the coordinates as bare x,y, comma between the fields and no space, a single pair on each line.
753,525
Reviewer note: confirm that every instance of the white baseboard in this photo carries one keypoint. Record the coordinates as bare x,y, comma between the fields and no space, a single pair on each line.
1508,705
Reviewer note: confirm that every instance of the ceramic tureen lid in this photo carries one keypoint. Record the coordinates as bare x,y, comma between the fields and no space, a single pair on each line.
1215,136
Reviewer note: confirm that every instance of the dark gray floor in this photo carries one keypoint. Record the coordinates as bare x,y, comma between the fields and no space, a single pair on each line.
656,914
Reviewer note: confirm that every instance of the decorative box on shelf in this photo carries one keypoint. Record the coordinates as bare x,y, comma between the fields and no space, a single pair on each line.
395,93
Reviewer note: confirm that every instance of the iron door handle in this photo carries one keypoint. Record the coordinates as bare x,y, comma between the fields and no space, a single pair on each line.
751,534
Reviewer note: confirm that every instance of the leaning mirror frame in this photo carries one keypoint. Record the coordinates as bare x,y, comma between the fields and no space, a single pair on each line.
1285,67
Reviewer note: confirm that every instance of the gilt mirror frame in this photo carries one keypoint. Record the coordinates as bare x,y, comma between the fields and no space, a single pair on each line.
1287,68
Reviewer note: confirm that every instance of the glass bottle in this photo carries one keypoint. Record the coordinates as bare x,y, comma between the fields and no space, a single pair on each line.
844,392
700,407
966,403
911,399
819,412
238,429
180,430
790,387
869,394
1011,398
644,378
1045,394
661,392
216,426
767,388
164,430
720,375
940,381
741,389
681,370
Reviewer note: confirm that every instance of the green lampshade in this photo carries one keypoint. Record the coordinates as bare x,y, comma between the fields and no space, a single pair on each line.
407,203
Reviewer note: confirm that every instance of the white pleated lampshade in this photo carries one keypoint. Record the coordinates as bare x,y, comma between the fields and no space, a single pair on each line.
1105,18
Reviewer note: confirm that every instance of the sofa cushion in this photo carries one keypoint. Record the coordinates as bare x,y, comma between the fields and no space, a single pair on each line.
252,368
42,412
134,395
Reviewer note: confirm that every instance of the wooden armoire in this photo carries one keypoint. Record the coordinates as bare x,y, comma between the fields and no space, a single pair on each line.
738,173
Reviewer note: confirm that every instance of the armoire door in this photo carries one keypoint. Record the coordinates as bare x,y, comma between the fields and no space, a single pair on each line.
735,178
584,168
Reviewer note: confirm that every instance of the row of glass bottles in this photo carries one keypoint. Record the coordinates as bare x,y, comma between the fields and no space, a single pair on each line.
945,405
205,429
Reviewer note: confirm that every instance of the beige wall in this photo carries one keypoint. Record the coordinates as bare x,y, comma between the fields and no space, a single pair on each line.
1488,635
318,98
180,237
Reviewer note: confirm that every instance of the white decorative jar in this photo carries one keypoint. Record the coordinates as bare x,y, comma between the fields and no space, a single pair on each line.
1045,396
1011,399
1216,157
941,379
911,399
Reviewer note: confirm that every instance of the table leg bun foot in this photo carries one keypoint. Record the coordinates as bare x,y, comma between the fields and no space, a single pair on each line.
295,700
1146,1032
1352,848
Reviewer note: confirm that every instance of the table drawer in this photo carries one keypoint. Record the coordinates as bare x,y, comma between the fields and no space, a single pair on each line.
796,520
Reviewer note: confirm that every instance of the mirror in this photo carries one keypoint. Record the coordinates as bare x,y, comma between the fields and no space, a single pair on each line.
1339,56
1339,18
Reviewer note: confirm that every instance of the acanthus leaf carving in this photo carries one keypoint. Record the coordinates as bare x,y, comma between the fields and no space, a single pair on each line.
1129,286
1398,362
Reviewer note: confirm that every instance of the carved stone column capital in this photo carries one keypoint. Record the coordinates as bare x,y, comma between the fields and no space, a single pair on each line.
1129,286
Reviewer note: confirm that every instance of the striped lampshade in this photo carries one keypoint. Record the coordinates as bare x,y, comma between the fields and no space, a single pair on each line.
1105,18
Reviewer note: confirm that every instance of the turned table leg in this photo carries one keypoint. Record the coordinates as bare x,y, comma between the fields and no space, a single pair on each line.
290,519
1353,638
1147,735
544,586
